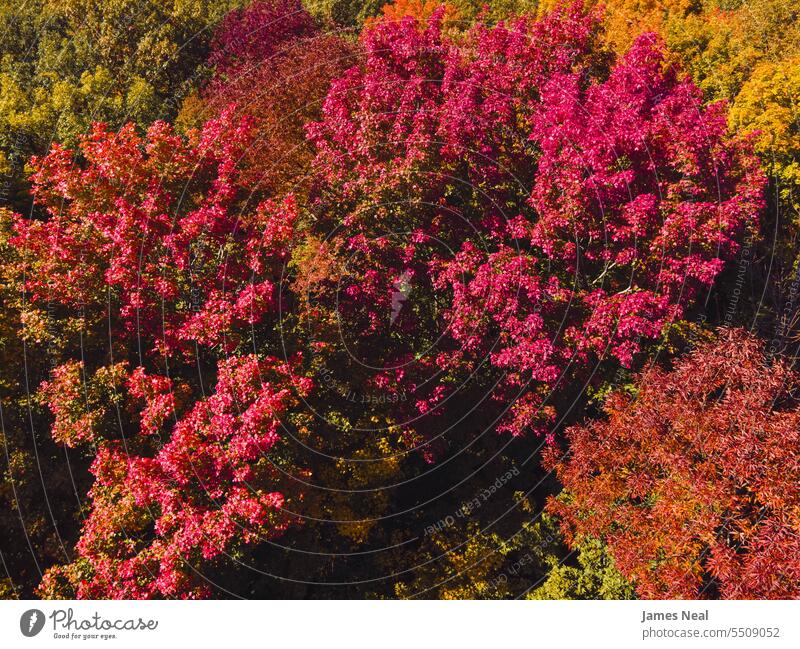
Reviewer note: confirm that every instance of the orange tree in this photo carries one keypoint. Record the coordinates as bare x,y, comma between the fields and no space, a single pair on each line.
692,481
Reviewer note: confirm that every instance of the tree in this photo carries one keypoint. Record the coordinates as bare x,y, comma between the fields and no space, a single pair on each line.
594,577
135,231
62,66
160,522
768,105
493,218
68,63
547,211
462,560
745,53
39,481
275,65
692,482
459,189
344,14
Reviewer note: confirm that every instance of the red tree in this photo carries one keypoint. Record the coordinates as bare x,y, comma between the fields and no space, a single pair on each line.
549,210
155,237
274,65
146,222
254,34
693,482
492,213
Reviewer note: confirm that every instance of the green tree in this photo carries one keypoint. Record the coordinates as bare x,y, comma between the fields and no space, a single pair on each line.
67,63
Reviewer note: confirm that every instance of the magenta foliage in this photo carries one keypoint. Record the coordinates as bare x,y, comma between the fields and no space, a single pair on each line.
576,210
251,36
154,235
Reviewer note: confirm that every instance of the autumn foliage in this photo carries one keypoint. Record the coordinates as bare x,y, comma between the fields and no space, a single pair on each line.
156,521
556,216
147,217
273,64
311,333
692,481
134,235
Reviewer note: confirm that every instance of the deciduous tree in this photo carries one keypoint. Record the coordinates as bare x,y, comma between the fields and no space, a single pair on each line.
692,481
